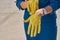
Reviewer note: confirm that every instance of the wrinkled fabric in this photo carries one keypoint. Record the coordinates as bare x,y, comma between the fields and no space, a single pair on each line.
48,22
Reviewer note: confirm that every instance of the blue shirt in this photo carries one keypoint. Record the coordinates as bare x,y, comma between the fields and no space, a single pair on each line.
48,22
43,3
58,3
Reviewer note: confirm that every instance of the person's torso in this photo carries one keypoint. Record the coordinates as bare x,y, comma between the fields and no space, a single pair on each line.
48,17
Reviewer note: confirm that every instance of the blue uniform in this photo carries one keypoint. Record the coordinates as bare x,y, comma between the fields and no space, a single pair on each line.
48,22
58,2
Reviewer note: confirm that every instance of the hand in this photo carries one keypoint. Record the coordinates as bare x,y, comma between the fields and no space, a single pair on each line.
34,25
40,12
49,9
44,11
23,5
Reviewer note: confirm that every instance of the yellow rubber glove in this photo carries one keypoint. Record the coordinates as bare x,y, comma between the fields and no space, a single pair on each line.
34,20
32,6
34,25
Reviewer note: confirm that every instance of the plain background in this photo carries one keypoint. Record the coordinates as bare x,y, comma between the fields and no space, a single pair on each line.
11,25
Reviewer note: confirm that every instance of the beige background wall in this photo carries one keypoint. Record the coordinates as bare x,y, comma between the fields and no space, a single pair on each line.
11,25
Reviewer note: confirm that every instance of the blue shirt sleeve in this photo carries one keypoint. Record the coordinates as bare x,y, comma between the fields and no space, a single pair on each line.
54,5
58,2
18,2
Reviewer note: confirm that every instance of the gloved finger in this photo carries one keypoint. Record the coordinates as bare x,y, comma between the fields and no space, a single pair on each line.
35,31
39,28
27,20
29,29
32,30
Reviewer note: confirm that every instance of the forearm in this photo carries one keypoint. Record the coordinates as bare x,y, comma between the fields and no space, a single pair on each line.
53,6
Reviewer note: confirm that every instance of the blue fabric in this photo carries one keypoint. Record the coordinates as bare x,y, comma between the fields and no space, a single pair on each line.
48,22
18,2
58,3
48,27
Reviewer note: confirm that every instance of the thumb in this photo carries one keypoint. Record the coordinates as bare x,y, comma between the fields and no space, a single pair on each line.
27,20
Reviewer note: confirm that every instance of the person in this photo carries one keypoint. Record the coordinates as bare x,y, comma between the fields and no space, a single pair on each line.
48,19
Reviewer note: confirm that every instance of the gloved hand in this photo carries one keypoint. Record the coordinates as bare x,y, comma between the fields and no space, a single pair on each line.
34,25
34,20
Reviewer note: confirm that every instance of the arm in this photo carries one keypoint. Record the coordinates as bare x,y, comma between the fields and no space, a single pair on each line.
21,4
52,7
18,2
